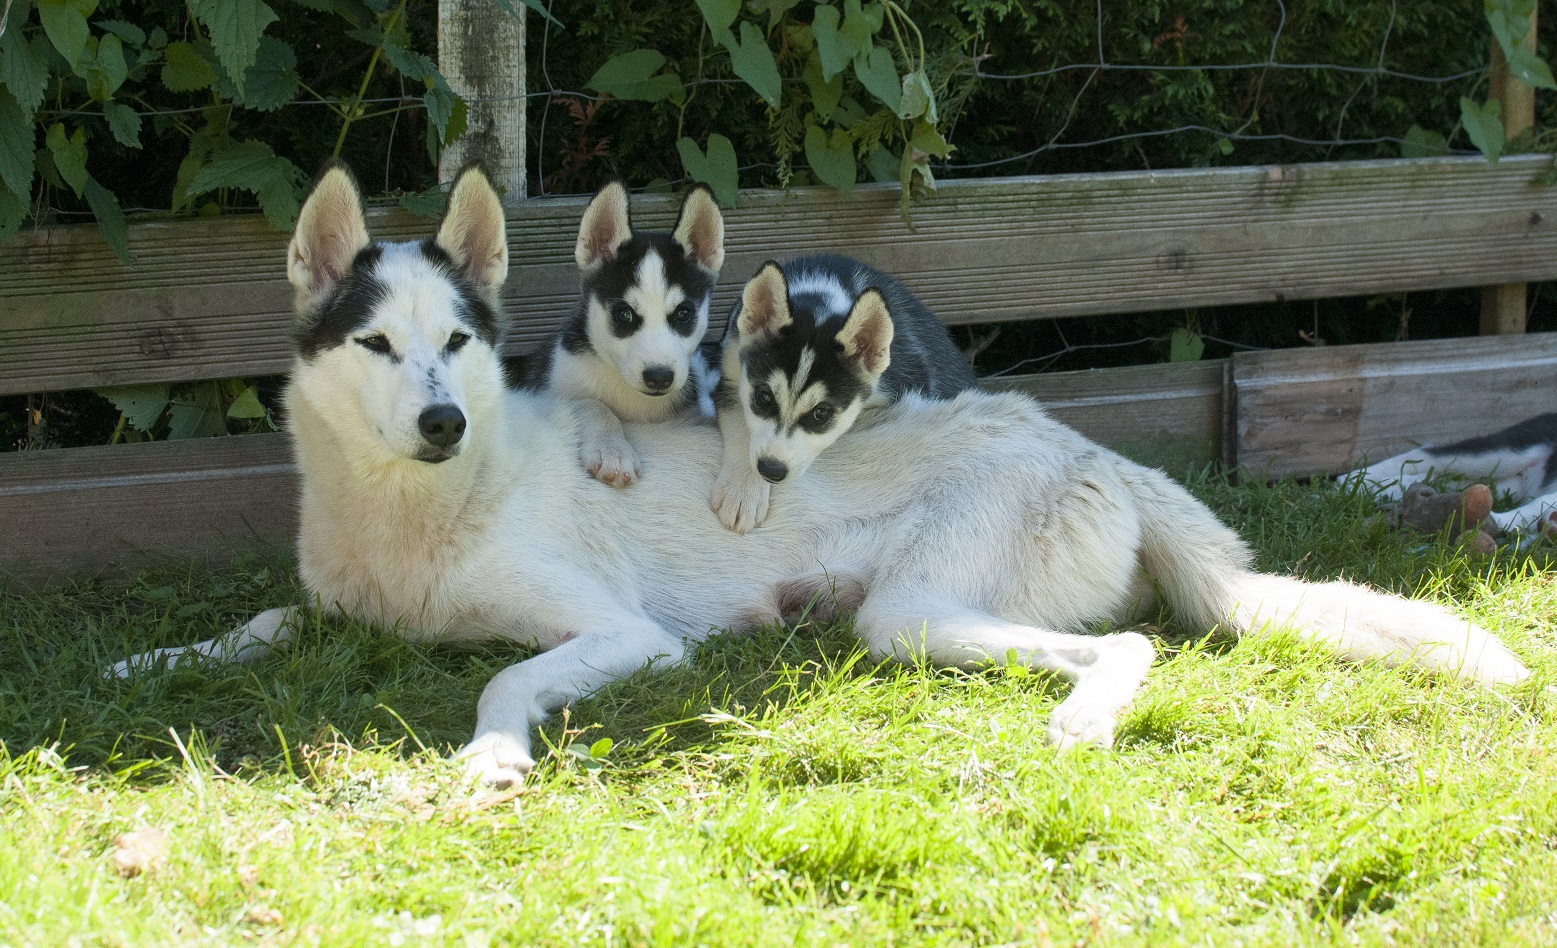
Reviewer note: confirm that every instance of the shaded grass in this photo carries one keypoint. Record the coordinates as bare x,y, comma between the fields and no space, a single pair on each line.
781,788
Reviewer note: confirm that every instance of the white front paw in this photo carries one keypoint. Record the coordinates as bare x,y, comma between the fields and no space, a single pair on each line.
611,460
740,498
1079,721
495,760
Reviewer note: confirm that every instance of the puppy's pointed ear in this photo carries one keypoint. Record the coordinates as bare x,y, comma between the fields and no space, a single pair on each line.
330,233
700,229
472,232
866,335
764,304
605,227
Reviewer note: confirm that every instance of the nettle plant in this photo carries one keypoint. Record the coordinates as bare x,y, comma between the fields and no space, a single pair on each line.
853,74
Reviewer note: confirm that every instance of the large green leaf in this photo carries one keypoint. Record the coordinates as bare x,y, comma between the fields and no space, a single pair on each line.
185,70
1529,68
132,35
825,93
106,69
17,138
196,412
719,14
124,122
753,61
252,166
235,27
1421,143
876,71
13,212
831,157
631,76
246,405
716,168
834,50
65,24
918,98
271,82
110,219
22,68
860,24
141,405
70,155
1483,125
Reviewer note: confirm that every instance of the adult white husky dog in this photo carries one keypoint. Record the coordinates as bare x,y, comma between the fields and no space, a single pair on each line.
442,505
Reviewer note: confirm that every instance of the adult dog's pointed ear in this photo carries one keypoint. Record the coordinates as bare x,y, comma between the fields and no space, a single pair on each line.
473,234
330,232
866,335
764,304
605,227
700,229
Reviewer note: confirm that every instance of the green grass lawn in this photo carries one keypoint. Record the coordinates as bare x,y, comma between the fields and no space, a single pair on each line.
784,790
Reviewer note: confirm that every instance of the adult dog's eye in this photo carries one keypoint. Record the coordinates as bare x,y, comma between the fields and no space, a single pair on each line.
822,413
623,314
682,313
457,341
763,396
377,342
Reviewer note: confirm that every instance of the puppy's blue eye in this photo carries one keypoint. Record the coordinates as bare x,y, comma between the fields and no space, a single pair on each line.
457,341
623,314
377,342
822,413
682,313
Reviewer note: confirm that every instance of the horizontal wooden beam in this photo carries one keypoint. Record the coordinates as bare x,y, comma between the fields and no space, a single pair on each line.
207,298
1324,410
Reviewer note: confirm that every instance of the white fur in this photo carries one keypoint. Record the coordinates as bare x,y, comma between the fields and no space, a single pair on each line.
971,529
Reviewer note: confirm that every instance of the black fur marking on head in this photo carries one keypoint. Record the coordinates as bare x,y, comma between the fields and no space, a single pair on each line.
814,327
610,281
346,310
475,311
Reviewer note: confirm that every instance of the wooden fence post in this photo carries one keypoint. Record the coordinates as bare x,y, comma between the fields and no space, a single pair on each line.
1503,306
481,53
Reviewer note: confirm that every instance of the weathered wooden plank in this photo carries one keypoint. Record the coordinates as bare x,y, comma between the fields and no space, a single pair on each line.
1167,416
1308,411
208,296
118,510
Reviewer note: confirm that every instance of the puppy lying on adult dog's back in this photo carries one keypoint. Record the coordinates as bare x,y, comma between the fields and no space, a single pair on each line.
815,344
630,351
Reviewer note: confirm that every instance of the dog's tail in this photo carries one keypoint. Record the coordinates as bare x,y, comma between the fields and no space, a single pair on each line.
1201,567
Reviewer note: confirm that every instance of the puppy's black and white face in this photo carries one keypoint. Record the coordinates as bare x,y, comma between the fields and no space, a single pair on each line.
809,357
396,341
646,295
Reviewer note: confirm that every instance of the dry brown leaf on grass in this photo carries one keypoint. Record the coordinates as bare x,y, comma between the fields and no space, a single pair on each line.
135,853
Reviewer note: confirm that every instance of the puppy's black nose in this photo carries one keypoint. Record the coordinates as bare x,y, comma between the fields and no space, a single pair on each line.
442,425
772,471
658,378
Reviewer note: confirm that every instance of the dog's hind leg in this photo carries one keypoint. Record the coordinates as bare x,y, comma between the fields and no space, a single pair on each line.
1107,669
520,696
249,642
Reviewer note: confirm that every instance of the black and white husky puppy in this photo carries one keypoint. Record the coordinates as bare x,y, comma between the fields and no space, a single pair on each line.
812,345
630,351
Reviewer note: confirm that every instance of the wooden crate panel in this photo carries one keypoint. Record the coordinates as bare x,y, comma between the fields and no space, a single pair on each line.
1322,411
118,510
208,298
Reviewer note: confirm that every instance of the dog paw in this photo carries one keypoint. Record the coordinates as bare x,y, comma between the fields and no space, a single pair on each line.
613,462
496,761
1077,723
740,501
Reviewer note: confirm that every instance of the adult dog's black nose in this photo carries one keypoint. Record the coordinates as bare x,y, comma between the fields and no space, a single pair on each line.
442,425
772,471
658,378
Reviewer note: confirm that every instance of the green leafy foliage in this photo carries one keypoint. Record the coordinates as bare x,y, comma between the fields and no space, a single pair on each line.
235,27
254,167
1483,126
1510,23
753,61
716,167
831,156
633,77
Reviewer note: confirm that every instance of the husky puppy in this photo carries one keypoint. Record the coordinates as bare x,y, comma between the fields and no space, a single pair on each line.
441,504
1520,461
830,339
630,351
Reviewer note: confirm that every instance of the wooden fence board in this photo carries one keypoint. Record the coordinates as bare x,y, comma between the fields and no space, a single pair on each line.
118,510
1167,415
208,297
1308,411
